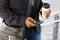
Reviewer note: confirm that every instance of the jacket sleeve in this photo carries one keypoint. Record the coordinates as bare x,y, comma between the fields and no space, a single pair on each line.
40,6
10,17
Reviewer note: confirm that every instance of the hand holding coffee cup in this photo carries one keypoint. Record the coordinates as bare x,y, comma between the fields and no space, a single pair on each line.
46,10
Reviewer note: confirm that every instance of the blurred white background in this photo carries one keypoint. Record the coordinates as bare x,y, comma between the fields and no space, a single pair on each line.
47,30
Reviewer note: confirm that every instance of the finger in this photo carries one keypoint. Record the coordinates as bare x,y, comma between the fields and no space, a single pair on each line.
32,24
32,20
47,15
49,11
28,25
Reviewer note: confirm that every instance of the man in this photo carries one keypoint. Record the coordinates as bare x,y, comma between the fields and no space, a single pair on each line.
14,14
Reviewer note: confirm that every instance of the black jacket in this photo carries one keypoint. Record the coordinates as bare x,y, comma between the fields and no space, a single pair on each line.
13,12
